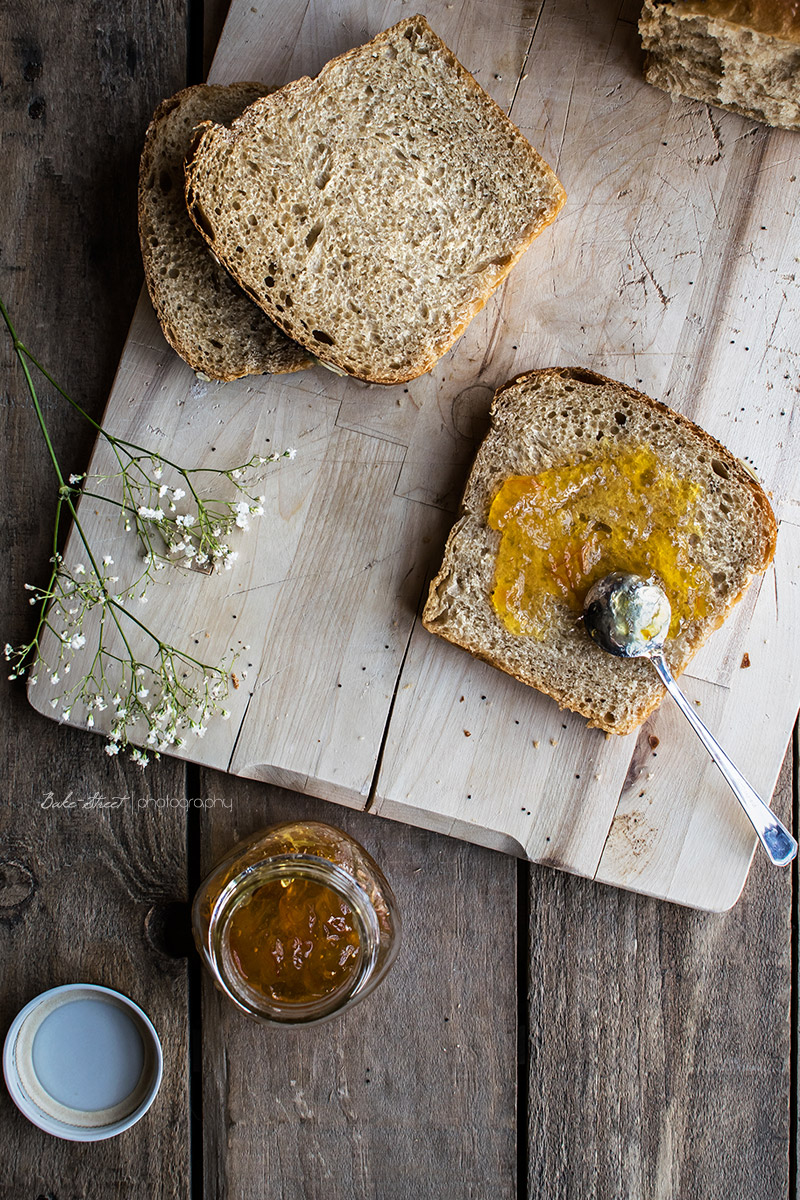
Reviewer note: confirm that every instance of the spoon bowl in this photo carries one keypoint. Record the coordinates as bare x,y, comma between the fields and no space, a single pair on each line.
629,616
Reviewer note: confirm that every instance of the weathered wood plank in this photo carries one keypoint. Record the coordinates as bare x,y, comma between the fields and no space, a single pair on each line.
660,1041
80,888
410,1095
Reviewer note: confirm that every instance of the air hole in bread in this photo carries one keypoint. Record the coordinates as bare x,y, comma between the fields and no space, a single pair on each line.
165,182
322,180
313,233
319,335
217,345
720,469
236,206
269,281
620,418
173,273
719,578
581,376
611,718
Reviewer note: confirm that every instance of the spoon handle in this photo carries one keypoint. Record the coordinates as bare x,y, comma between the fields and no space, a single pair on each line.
776,840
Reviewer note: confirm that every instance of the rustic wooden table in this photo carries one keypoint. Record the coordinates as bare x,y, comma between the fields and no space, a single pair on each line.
540,1035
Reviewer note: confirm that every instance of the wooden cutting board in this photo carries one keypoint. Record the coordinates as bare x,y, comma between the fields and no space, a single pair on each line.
674,268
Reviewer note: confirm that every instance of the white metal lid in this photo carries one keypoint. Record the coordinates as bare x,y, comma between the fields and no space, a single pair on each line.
82,1062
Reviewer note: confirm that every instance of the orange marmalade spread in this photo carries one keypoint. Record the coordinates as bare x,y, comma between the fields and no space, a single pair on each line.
567,527
294,941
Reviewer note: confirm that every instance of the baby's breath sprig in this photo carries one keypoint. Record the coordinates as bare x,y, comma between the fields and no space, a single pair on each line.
163,701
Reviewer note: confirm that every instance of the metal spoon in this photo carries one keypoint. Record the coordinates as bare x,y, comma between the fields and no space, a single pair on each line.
629,616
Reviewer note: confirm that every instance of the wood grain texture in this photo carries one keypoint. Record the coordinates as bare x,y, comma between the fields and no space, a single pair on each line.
80,888
673,255
660,1041
412,1093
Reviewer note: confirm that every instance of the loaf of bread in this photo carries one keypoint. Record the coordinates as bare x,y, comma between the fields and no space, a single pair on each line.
373,210
205,316
712,510
743,55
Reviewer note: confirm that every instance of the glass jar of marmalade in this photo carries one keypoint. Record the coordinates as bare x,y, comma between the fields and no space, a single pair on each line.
297,923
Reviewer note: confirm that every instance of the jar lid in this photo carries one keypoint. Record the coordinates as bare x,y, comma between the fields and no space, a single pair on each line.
82,1062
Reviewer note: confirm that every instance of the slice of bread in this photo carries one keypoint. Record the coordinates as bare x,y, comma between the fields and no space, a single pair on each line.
743,55
211,323
372,211
547,419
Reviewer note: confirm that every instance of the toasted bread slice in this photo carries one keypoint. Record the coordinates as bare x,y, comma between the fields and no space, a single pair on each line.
205,316
552,418
372,211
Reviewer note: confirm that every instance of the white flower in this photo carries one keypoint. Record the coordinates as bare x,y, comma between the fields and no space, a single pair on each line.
67,713
90,720
142,692
54,702
54,677
77,641
108,560
257,510
162,491
9,650
158,472
139,671
80,569
291,453
225,714
178,493
237,474
111,748
143,599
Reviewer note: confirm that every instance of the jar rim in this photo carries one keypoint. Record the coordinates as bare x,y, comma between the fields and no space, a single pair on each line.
242,886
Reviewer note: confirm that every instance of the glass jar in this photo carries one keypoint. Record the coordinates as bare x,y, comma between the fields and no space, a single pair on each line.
297,923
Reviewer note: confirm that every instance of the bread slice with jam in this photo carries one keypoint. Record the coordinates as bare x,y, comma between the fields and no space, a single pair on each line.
577,477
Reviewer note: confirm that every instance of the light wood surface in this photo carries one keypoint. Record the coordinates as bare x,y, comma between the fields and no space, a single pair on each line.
671,268
656,1053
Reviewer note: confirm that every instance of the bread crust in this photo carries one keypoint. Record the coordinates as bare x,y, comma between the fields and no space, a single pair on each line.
205,301
295,97
459,606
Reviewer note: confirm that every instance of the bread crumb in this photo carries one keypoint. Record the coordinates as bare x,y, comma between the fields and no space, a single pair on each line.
553,741
653,740
467,733
745,660
535,745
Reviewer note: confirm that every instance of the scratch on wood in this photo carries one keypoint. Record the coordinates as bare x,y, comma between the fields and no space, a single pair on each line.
525,57
662,295
708,159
